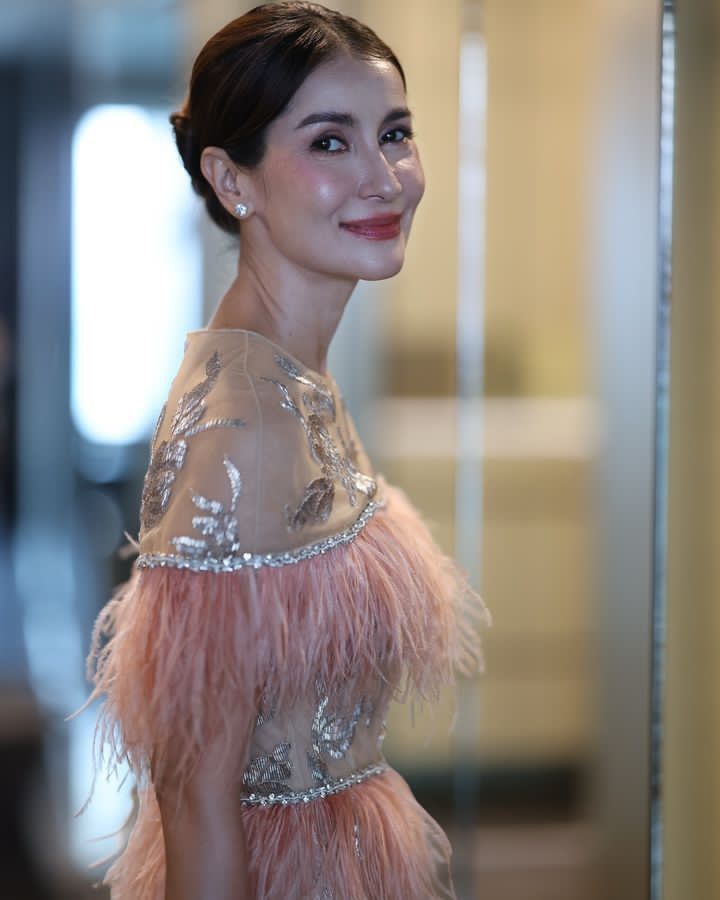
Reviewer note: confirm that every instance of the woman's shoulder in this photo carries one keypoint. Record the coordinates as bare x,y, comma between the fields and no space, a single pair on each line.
239,369
253,455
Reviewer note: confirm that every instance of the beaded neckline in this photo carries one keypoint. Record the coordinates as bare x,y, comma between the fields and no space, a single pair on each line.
326,376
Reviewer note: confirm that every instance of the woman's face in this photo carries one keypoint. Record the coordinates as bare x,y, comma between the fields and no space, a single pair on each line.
340,153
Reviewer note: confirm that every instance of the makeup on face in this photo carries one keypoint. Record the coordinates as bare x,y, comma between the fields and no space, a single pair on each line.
342,177
378,228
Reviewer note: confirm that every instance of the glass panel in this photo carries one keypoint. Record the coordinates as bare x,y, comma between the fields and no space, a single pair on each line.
552,155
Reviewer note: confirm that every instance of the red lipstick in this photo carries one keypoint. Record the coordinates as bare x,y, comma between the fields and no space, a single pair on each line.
378,228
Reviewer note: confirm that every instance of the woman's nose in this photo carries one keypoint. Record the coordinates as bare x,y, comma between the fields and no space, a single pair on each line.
379,178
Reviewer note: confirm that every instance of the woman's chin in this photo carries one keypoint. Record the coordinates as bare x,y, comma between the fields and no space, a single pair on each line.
377,270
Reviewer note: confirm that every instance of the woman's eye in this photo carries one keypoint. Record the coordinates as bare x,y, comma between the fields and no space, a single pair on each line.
331,144
403,131
321,143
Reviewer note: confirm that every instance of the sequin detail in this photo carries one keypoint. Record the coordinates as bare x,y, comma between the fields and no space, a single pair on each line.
268,708
168,457
318,768
220,525
315,793
349,446
316,503
256,560
267,775
318,399
332,732
382,733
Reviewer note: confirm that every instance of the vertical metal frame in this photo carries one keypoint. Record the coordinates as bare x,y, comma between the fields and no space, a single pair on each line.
691,705
665,203
625,287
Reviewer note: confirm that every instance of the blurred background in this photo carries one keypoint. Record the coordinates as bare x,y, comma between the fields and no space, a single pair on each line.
526,378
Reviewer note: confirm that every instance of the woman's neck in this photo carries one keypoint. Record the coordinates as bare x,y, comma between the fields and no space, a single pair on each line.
302,321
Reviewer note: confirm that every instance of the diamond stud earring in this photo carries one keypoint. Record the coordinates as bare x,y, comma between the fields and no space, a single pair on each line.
241,210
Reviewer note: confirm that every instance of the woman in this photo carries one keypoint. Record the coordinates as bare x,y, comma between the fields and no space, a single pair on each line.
284,593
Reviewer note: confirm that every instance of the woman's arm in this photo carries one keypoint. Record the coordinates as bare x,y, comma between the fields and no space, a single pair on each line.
205,843
205,850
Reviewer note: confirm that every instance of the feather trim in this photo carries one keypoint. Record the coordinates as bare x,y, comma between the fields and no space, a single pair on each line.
373,841
184,658
388,603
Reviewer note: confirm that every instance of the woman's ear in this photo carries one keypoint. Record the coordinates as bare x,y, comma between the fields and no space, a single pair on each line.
225,178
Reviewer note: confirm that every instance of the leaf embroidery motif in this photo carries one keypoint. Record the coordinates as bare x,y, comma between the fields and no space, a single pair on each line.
336,463
269,774
268,707
219,526
315,506
333,732
168,457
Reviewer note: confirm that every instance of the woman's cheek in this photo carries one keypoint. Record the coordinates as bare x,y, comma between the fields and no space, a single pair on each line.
323,184
328,190
413,179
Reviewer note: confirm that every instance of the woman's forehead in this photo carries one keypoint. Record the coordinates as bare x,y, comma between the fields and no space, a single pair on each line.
347,85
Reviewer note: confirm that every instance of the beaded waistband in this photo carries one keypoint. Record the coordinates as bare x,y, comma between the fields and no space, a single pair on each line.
314,793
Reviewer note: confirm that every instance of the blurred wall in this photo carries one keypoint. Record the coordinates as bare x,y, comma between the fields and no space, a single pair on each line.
540,61
538,514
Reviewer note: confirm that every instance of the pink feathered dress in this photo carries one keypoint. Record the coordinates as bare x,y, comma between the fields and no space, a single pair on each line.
282,589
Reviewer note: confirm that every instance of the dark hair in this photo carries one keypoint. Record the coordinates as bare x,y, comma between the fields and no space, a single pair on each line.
246,75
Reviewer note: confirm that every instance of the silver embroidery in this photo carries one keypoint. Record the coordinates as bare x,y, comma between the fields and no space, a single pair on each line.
315,793
318,768
381,734
257,560
158,425
319,398
168,457
349,446
369,710
268,775
220,525
315,506
317,500
332,733
268,708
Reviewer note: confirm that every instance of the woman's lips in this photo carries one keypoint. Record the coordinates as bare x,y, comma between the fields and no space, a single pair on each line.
378,229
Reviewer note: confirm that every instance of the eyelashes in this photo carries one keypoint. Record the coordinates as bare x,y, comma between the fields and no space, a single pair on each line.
326,138
406,132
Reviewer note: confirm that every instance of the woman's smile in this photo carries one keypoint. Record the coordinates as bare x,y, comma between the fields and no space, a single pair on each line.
379,228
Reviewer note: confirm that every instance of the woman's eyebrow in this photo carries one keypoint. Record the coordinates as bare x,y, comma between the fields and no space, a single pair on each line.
343,118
